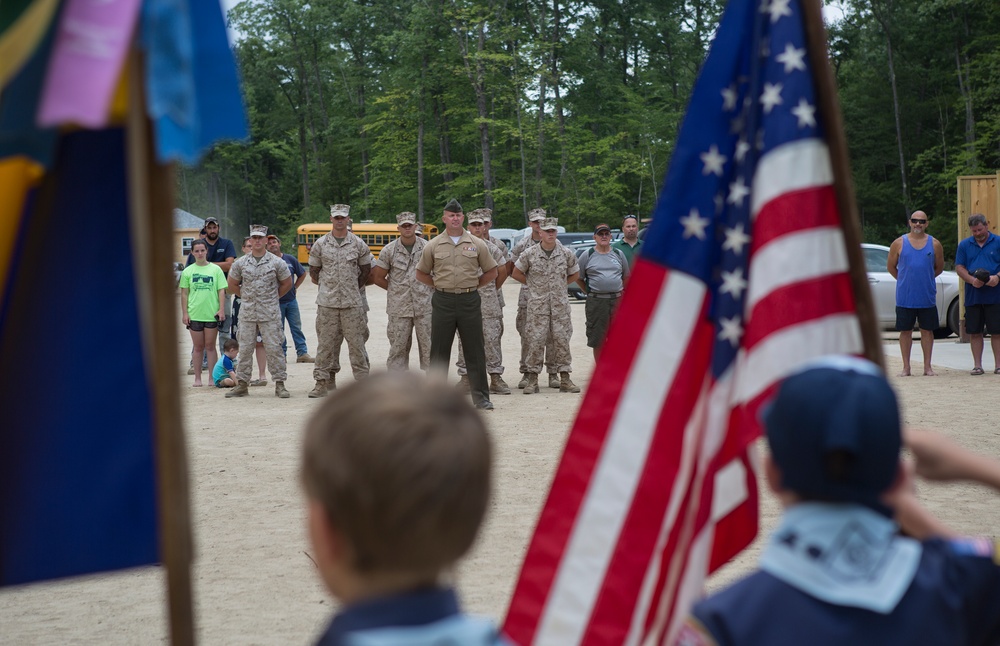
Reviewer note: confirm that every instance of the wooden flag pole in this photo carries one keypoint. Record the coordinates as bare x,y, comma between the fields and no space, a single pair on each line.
833,125
151,204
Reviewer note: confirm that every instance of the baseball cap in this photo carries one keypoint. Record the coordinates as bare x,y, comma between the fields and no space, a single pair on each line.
271,235
258,230
211,220
834,431
602,227
549,224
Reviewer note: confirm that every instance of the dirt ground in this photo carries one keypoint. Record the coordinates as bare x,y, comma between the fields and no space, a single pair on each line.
254,582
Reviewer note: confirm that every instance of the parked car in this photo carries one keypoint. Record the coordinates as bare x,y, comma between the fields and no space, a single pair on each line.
884,292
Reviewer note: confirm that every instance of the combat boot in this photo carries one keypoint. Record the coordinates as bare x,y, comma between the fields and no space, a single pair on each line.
463,384
524,380
319,390
498,385
331,384
242,389
280,390
554,381
531,387
566,384
305,358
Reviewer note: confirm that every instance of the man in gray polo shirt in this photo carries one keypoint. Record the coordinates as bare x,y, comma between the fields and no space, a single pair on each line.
603,274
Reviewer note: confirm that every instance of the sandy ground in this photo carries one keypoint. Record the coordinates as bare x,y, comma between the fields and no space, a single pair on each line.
254,582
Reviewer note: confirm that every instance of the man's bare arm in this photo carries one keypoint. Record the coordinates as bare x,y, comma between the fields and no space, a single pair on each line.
380,277
424,277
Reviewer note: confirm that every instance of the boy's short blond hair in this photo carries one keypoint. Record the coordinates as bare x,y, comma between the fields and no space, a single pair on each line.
402,465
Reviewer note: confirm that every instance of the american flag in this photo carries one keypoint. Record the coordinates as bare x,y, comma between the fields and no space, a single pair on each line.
743,277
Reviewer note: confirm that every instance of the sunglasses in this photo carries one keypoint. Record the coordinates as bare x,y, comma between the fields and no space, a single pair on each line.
918,221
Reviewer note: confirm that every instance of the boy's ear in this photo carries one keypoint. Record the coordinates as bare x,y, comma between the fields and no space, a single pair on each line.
327,541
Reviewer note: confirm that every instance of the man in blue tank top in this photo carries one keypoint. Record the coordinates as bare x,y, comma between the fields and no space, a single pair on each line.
915,260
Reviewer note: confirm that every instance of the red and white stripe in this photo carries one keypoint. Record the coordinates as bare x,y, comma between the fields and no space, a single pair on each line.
656,488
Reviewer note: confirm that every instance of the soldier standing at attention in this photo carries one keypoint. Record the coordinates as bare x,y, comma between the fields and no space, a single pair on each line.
460,264
535,217
546,268
492,314
339,262
260,279
408,302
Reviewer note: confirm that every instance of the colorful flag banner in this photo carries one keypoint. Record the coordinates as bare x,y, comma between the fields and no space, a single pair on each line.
743,276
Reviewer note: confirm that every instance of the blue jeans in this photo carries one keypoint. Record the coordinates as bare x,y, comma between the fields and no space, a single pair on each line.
290,313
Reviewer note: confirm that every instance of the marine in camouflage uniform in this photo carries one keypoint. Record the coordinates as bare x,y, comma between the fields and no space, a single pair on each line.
546,272
489,295
408,301
535,216
259,281
340,265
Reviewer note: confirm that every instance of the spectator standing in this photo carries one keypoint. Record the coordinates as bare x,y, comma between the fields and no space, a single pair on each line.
260,279
456,264
203,290
489,296
915,260
289,304
630,242
546,268
408,301
340,263
535,217
221,252
977,262
603,274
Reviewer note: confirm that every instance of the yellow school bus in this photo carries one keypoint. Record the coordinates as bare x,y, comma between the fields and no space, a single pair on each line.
375,235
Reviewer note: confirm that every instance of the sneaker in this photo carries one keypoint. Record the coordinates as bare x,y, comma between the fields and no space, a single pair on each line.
305,358
259,382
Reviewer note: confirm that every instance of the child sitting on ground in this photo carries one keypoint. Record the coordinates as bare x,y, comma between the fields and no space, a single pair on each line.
396,472
837,570
224,372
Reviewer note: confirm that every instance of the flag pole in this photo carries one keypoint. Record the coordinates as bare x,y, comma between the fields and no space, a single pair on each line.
151,204
833,125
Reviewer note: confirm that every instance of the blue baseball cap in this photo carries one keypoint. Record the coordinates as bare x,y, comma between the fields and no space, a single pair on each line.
834,431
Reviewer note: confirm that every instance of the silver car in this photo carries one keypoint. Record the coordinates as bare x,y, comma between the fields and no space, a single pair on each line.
884,292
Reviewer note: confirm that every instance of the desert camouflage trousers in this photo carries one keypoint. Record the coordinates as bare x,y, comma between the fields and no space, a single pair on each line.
333,326
519,322
545,329
400,331
271,334
492,334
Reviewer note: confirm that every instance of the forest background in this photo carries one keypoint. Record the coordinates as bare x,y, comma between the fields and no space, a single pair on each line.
570,105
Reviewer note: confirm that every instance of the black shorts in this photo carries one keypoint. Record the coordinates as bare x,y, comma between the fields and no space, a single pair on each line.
907,316
978,315
198,326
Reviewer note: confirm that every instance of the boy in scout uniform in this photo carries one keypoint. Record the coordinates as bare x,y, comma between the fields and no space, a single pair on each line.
456,264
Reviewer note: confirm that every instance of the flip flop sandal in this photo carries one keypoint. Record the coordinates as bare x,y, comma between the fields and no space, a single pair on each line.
263,382
975,371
